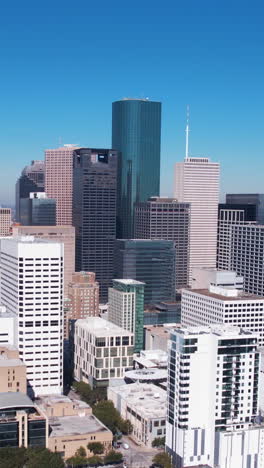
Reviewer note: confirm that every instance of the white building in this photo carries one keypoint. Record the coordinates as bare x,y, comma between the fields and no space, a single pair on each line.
145,406
213,398
223,305
102,351
8,325
197,183
31,287
204,277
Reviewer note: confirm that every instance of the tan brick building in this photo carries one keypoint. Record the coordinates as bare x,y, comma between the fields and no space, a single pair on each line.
5,221
13,371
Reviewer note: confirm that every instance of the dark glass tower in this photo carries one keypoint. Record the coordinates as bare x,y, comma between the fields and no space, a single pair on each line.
149,261
136,128
94,212
32,179
38,210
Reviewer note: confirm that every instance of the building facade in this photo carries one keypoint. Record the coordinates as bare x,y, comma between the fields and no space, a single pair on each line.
102,351
63,234
8,327
149,261
126,308
223,305
204,277
254,202
32,179
31,288
58,181
94,212
13,372
38,210
197,183
136,134
165,218
213,398
5,221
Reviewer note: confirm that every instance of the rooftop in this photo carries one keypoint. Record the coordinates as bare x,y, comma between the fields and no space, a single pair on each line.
146,374
216,329
7,362
75,425
241,296
147,399
129,282
51,400
14,399
28,240
162,330
100,327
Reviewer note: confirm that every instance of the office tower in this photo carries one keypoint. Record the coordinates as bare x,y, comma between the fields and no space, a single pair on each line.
32,179
226,305
58,181
62,234
31,287
197,183
94,212
165,218
204,277
254,202
103,351
82,298
38,210
213,391
136,129
229,214
126,308
149,261
5,221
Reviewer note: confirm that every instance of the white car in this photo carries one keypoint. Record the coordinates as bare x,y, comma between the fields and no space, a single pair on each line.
126,446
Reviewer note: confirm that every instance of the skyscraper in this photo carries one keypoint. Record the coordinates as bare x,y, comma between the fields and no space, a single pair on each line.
166,218
197,183
126,308
58,181
149,261
32,179
31,288
213,398
38,210
94,212
254,201
136,131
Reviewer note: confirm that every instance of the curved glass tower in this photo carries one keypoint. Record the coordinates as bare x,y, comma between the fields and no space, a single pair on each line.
136,128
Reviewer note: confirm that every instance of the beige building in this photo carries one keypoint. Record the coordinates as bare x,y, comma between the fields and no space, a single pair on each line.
13,372
64,234
83,298
72,425
5,221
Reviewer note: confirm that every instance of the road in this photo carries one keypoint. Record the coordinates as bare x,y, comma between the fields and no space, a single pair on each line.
137,456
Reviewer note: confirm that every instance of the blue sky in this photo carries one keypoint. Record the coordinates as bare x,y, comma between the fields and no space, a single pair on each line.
63,63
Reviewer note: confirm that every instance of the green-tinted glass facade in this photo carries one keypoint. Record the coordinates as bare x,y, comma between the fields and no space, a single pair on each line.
136,130
138,289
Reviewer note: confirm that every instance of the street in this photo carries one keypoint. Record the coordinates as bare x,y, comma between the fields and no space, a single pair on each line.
137,456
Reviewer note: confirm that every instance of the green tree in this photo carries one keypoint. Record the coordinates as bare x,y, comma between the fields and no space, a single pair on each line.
113,456
158,442
96,447
88,394
162,459
125,426
95,460
12,457
80,452
76,461
43,458
107,414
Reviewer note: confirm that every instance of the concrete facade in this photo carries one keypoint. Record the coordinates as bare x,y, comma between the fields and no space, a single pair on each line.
13,372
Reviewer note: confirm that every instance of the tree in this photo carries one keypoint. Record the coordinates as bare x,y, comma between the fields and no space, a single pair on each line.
80,452
125,426
88,394
29,458
158,442
162,459
12,457
107,414
96,447
113,456
95,460
76,461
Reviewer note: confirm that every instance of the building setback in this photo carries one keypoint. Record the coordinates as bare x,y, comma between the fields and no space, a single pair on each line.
136,132
94,212
149,261
166,218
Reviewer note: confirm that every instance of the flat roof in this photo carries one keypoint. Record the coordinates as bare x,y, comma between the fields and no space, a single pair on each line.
14,399
6,362
128,281
242,296
146,399
219,329
150,374
50,400
162,330
75,425
101,327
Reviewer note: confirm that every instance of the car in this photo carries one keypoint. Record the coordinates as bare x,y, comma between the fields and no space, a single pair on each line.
125,446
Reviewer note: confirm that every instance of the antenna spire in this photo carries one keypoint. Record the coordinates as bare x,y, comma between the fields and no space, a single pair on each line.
187,133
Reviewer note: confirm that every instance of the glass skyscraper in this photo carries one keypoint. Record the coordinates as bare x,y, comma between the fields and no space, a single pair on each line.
136,129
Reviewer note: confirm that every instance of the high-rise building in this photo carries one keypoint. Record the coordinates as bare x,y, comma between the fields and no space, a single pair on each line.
83,297
38,210
136,130
149,261
166,218
197,183
62,234
225,305
253,201
126,308
213,398
31,287
94,212
5,221
32,179
58,181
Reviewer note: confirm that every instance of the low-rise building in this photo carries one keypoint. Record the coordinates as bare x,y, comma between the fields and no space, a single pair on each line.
102,351
151,359
7,330
144,405
72,425
5,221
157,336
13,372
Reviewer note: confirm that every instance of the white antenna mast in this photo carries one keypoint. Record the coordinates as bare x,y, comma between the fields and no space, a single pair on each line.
187,134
